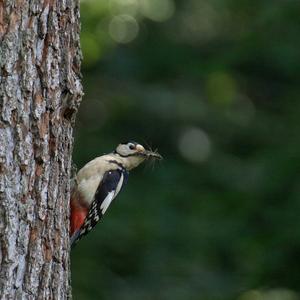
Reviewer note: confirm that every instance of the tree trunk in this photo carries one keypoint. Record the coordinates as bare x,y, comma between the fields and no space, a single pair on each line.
40,92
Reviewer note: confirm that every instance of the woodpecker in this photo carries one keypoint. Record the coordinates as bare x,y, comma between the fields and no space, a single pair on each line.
99,182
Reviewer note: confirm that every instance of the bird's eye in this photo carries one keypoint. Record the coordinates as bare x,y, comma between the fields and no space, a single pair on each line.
131,147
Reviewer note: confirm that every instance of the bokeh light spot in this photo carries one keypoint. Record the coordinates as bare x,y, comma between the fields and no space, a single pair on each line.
158,10
128,7
194,145
201,25
221,88
123,28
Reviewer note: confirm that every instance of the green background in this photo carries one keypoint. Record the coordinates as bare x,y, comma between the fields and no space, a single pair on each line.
214,85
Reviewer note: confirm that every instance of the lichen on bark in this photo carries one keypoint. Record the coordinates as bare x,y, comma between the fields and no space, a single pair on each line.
40,92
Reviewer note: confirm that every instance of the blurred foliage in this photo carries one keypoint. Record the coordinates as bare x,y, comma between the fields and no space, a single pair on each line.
215,86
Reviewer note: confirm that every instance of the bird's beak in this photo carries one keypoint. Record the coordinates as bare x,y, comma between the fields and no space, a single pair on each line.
147,153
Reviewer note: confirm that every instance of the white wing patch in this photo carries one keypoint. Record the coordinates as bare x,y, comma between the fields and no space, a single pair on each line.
119,185
106,202
111,195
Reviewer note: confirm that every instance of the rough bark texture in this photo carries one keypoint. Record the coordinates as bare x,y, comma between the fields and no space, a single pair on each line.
40,91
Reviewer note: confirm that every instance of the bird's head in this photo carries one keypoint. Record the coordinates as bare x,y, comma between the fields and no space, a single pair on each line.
133,154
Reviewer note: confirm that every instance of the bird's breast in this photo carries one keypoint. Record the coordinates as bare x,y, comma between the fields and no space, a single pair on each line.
87,187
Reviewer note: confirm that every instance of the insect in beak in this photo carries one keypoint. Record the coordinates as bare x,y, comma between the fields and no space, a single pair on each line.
153,154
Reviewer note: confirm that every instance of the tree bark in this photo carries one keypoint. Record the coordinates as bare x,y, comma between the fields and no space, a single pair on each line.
40,91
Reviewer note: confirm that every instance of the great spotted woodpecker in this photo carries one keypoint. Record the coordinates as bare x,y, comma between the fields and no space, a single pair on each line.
99,182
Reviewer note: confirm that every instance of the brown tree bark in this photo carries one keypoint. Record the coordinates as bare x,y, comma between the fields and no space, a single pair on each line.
40,92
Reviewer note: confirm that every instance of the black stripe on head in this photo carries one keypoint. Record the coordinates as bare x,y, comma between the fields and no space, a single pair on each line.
131,142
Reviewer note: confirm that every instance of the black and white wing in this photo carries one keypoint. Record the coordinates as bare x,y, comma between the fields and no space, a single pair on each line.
107,190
